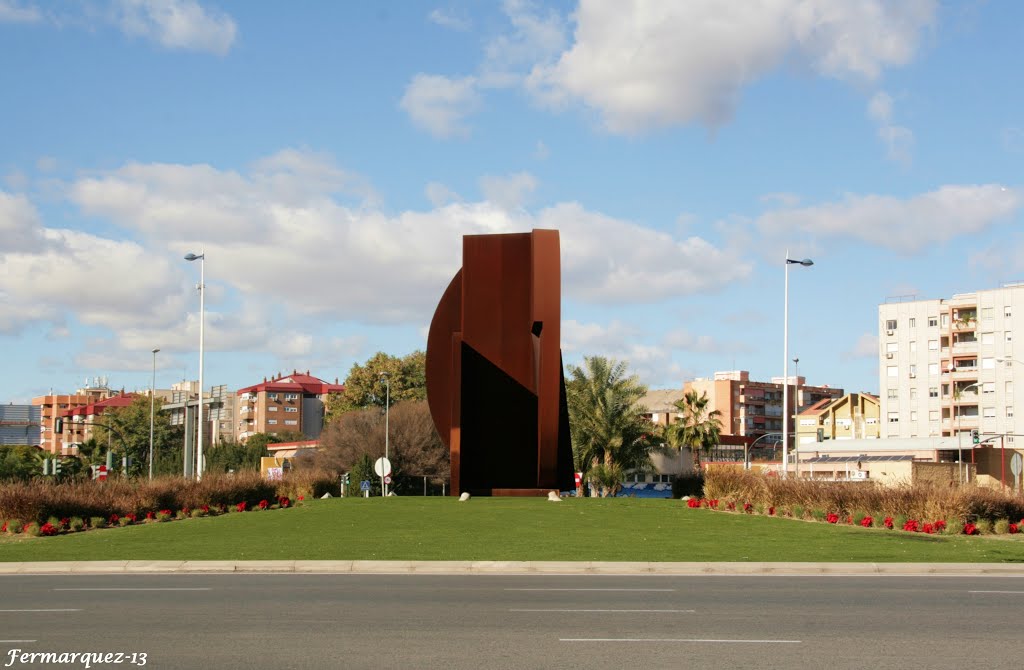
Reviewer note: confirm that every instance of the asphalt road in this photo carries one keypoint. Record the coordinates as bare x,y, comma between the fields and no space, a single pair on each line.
254,621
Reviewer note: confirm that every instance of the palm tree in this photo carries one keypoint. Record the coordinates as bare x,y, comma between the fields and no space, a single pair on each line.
610,434
698,429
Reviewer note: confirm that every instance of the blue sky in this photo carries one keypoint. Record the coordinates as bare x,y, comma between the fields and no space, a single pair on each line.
328,157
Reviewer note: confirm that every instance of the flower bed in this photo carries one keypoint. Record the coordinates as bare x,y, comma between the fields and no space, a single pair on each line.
46,508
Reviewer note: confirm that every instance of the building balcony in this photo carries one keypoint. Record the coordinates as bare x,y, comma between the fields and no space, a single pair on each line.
963,373
969,398
970,347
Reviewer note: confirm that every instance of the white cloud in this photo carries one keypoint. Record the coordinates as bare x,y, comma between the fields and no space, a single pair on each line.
866,346
258,231
19,224
12,11
449,19
535,37
440,104
440,195
645,65
176,24
898,140
652,363
508,192
541,151
905,225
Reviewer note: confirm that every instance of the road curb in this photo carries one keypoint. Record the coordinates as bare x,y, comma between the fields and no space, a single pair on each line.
513,568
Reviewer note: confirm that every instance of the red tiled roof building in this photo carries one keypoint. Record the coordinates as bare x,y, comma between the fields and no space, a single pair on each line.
285,404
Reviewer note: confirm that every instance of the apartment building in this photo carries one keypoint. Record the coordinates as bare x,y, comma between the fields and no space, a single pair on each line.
80,422
947,366
853,416
54,405
752,408
286,403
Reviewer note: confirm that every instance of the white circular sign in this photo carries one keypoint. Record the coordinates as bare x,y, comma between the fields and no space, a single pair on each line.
382,467
387,479
1015,464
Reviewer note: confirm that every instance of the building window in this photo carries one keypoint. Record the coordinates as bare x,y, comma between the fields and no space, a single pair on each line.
291,409
291,396
1009,337
273,397
913,370
913,393
891,347
1009,388
988,338
933,321
272,408
988,387
933,415
933,345
913,322
989,413
1007,312
933,369
892,371
1009,411
291,422
944,320
913,416
913,347
894,417
986,312
933,392
890,324
893,394
271,422
988,364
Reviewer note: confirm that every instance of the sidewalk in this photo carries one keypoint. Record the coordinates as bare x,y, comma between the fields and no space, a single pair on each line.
512,568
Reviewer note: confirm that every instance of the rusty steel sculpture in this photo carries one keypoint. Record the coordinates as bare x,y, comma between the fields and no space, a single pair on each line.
494,368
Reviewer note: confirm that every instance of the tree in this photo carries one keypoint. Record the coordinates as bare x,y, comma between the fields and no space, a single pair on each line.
364,387
230,456
414,448
128,435
21,462
610,434
698,429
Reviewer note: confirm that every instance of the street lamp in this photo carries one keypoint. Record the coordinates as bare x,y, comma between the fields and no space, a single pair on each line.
152,406
202,317
959,435
387,421
1009,361
807,262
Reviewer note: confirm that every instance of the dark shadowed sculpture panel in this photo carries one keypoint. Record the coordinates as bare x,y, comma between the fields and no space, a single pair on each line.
494,368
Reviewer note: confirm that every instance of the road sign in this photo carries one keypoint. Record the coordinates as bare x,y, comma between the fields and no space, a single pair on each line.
364,485
100,473
1016,464
579,478
382,467
387,479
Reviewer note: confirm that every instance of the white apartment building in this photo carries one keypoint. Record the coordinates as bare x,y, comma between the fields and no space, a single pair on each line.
948,366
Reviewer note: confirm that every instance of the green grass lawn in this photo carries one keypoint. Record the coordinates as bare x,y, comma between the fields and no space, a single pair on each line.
518,529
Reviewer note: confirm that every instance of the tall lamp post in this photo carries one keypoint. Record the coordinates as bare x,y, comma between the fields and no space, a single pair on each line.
202,317
387,420
959,435
152,407
807,262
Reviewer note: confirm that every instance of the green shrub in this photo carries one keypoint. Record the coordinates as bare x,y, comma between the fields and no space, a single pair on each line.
687,485
31,529
196,513
97,522
76,524
899,521
818,514
984,526
798,511
163,515
954,528
124,521
877,520
859,516
180,514
1001,527
14,526
54,521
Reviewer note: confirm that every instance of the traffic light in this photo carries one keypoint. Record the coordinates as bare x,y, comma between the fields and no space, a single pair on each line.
55,470
974,436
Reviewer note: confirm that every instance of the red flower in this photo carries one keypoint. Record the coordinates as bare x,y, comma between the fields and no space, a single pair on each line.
970,529
47,529
186,511
912,526
714,503
284,502
302,497
114,519
3,528
1014,529
748,508
150,515
832,517
65,522
205,508
264,504
167,512
940,526
928,528
771,511
887,522
131,517
867,521
241,506
731,506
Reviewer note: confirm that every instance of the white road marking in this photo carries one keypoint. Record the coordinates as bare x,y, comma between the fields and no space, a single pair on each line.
137,589
58,610
568,610
1014,592
13,641
558,589
673,639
